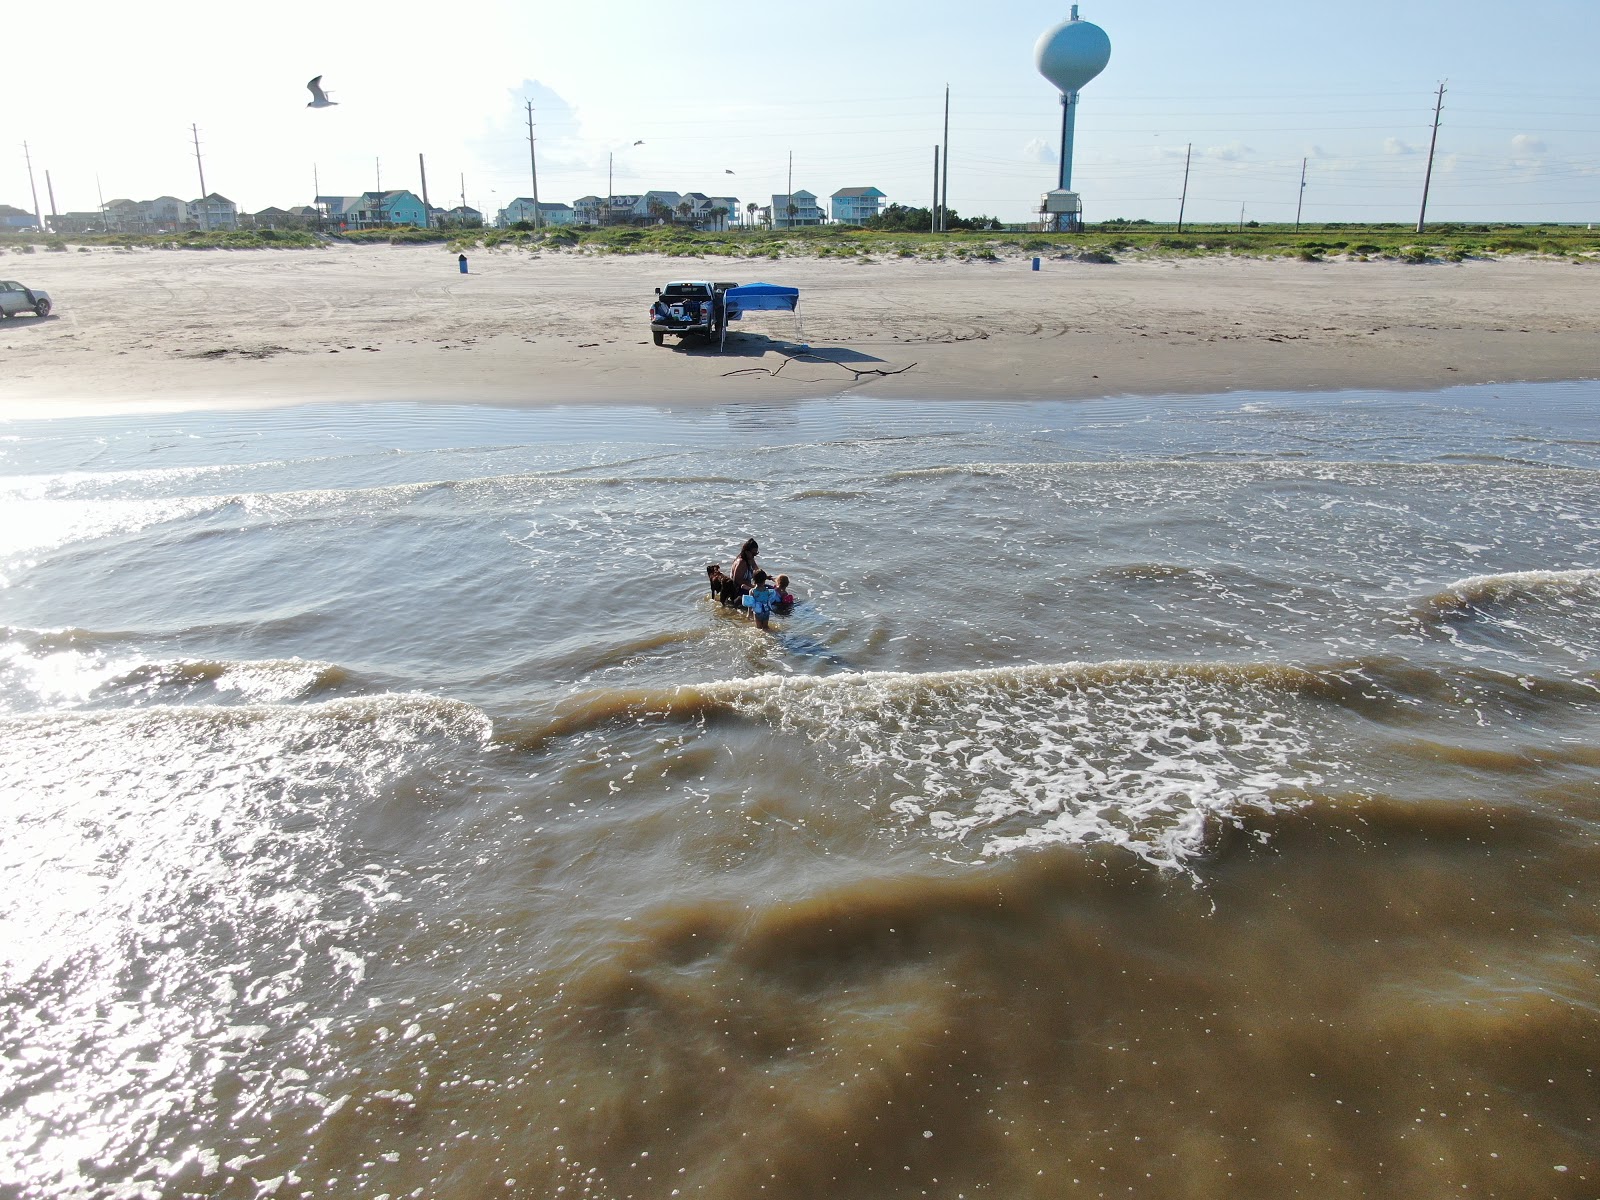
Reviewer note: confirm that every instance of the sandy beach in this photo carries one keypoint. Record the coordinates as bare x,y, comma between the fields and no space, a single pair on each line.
187,328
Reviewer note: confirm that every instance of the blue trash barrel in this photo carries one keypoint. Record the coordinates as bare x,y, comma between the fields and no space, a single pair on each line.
462,259
1035,265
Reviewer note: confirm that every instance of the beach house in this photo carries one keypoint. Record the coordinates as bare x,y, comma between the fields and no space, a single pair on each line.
15,218
212,211
399,207
805,211
857,205
550,212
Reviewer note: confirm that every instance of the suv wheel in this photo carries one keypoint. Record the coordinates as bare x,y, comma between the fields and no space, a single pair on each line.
42,308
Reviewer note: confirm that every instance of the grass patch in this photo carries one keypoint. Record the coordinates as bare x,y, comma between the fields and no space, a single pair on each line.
1446,242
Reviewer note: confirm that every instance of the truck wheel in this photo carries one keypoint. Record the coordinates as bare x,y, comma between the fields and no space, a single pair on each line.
660,338
42,308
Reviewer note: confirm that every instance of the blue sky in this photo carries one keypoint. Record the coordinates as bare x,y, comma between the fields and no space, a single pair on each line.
1253,86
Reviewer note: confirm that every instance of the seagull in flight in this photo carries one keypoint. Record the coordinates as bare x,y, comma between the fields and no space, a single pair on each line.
319,98
725,171
638,143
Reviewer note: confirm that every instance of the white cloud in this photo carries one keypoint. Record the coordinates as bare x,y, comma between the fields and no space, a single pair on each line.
1527,150
1232,152
1395,146
1041,150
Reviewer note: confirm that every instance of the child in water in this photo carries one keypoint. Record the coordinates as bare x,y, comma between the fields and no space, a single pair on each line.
763,598
785,600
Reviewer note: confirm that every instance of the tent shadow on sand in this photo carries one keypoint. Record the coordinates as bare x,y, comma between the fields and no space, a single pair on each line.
758,345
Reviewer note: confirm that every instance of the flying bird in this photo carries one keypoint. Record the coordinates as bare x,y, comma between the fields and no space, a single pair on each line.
319,98
638,143
725,171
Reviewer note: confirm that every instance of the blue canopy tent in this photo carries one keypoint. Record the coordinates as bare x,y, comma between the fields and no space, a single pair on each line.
760,297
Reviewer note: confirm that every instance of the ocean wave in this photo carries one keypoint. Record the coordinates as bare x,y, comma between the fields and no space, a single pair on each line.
74,666
354,712
1479,592
1136,753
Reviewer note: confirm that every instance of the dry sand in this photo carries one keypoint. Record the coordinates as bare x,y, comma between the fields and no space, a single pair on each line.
182,328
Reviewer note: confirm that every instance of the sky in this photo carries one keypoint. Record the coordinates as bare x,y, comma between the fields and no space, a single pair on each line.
717,103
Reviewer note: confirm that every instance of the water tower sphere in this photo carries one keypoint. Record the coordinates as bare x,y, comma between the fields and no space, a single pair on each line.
1072,53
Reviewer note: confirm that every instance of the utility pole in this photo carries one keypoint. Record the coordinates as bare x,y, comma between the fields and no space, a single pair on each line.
1184,200
1241,218
205,213
377,167
944,187
1301,205
533,168
427,209
51,191
1427,179
933,213
37,215
101,196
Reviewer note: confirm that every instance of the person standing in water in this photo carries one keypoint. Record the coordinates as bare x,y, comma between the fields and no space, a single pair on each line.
743,571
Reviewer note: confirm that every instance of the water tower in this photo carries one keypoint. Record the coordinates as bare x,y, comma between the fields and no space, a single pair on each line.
1069,56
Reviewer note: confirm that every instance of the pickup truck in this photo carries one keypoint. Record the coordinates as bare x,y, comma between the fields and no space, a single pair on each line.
688,308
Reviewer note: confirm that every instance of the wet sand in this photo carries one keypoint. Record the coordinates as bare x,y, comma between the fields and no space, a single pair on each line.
182,328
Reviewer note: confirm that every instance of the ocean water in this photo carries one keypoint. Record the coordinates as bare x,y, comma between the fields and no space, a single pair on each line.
1156,798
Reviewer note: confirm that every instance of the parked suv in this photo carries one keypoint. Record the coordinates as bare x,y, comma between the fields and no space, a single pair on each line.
16,299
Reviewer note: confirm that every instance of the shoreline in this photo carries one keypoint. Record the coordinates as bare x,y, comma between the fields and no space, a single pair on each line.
171,331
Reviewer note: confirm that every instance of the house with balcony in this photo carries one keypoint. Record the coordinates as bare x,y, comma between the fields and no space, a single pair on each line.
462,216
548,212
709,212
74,222
805,211
213,211
161,215
302,216
371,210
856,205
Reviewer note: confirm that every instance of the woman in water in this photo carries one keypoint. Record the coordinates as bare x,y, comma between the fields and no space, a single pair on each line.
743,571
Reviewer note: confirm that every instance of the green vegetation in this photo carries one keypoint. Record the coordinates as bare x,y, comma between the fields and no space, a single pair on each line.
194,239
1099,243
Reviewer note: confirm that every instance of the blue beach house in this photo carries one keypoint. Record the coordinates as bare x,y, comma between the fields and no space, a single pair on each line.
857,205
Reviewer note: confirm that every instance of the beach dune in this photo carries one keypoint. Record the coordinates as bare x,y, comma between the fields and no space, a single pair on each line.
184,328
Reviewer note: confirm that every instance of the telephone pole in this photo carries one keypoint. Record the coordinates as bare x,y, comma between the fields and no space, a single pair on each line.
427,209
1183,201
1427,179
205,214
1300,206
533,168
37,215
944,187
50,190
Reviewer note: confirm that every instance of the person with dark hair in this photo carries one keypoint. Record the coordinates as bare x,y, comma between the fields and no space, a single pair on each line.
743,572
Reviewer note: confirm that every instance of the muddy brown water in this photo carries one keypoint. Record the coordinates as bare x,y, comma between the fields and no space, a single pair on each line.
1152,798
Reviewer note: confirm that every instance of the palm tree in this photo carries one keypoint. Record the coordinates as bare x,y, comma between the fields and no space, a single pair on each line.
751,209
684,209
